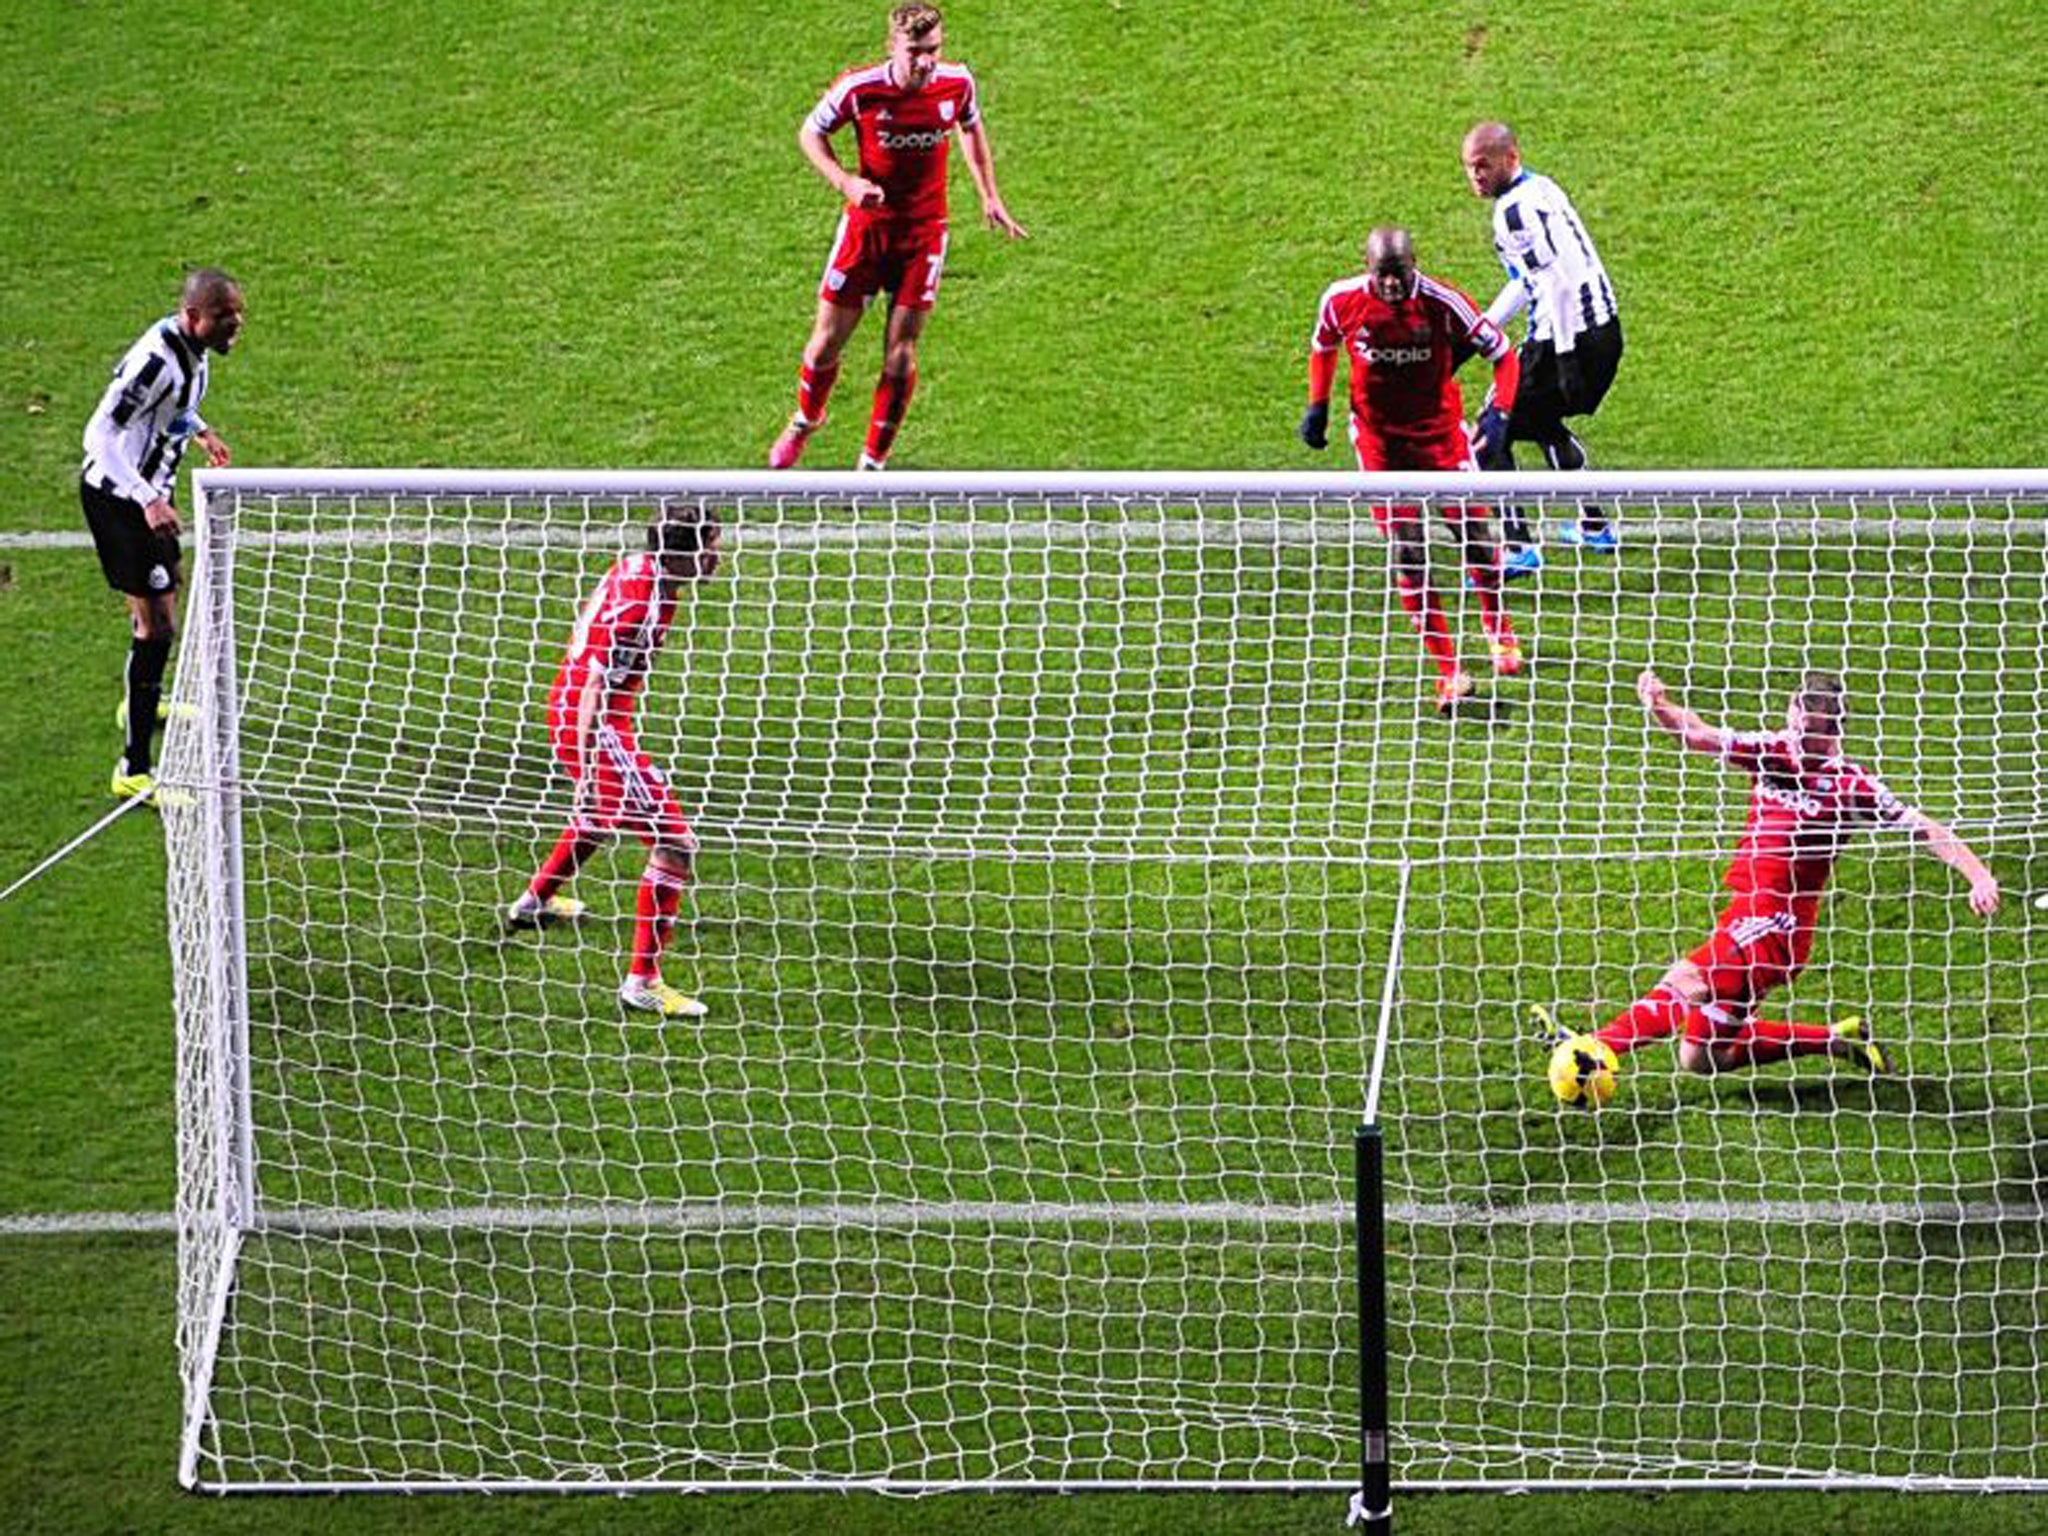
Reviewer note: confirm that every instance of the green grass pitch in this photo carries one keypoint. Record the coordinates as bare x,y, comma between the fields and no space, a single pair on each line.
519,234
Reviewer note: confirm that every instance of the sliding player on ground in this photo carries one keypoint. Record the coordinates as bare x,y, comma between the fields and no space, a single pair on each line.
1573,345
892,232
618,788
1406,333
1807,799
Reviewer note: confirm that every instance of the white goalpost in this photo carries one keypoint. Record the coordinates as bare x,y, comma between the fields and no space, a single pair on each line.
1079,856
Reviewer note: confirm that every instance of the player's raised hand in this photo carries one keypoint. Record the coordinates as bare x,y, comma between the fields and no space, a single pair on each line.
998,218
862,193
1650,689
1984,894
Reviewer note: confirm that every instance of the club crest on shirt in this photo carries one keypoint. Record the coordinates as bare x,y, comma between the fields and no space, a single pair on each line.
945,111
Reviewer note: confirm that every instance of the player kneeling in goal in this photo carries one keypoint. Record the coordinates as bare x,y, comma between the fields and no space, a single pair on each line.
1406,333
618,788
1807,799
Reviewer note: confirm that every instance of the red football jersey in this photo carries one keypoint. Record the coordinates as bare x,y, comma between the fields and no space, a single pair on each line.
1405,356
1800,814
904,135
616,636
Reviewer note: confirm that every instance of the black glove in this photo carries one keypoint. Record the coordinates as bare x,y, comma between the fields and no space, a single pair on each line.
1315,425
1491,437
1569,380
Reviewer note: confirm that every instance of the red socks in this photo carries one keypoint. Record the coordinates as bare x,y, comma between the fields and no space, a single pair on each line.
1653,1018
1484,576
892,399
661,893
1427,613
654,918
813,389
563,860
1755,1044
1762,1041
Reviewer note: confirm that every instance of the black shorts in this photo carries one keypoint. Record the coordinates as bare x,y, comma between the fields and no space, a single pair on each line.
1545,397
137,559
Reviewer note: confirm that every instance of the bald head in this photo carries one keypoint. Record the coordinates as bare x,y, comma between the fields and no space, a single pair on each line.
1493,158
210,308
1390,261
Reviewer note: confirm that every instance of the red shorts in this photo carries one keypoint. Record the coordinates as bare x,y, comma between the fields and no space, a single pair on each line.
620,790
1760,941
1448,449
870,255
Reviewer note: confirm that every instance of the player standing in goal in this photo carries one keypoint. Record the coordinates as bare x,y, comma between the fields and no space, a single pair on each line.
1573,347
1406,334
892,232
618,788
1807,799
133,445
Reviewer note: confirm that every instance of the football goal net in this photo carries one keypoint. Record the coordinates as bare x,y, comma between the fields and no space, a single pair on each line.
1071,858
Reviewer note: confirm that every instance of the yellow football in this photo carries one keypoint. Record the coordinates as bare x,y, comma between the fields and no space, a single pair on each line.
1584,1070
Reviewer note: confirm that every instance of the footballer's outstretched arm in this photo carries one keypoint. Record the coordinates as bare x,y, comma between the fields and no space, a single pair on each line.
1958,856
981,165
1693,732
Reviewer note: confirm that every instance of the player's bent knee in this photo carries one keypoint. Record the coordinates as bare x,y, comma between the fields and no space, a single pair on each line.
1686,982
1698,1059
675,856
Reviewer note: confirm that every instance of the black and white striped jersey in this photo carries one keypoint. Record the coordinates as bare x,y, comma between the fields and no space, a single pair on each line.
1551,264
150,411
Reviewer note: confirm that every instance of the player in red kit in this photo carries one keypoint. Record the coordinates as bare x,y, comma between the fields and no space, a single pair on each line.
1406,333
618,788
892,232
1808,798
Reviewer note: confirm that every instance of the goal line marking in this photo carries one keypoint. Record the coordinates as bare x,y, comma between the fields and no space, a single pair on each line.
617,1217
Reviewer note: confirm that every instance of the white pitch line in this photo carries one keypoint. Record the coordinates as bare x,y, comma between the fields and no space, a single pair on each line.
624,1217
73,1223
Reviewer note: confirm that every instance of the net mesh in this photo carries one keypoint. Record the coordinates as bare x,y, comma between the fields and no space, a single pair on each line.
1046,896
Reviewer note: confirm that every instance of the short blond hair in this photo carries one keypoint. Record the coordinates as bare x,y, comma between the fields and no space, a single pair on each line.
915,21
